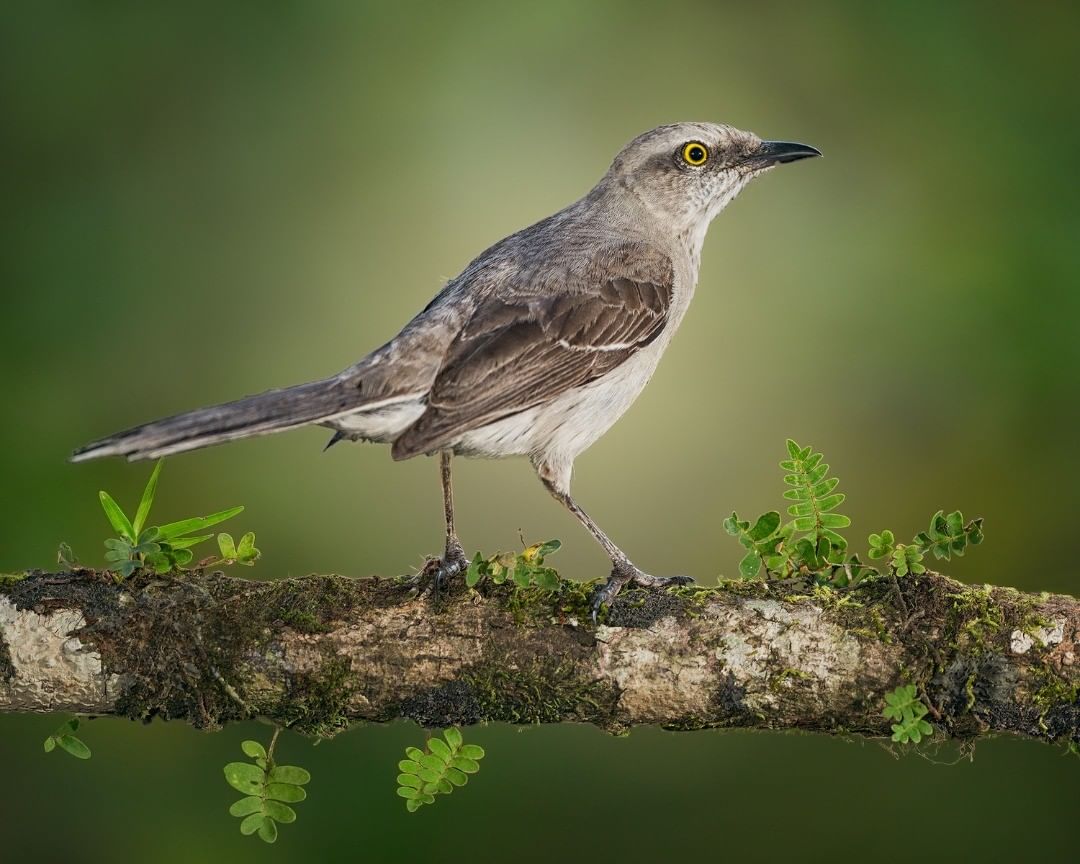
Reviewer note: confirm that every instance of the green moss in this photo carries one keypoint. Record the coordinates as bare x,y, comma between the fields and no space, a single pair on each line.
317,703
9,579
975,617
544,691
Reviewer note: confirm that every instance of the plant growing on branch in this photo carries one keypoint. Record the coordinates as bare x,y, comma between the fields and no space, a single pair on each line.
268,790
810,544
66,739
161,548
446,764
905,707
525,568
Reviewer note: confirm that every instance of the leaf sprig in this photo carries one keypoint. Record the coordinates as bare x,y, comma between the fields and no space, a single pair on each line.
158,548
904,706
525,568
269,789
446,765
811,543
66,739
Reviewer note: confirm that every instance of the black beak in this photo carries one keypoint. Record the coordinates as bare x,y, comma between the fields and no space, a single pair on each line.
779,152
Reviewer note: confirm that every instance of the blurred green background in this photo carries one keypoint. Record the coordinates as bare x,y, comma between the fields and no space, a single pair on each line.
210,200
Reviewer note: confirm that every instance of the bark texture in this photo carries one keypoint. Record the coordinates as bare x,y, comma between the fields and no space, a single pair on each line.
319,652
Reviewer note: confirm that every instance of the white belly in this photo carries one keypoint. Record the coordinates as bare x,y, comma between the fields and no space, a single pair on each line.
554,434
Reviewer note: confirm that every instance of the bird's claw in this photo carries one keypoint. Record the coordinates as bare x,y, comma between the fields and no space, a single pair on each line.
442,570
621,576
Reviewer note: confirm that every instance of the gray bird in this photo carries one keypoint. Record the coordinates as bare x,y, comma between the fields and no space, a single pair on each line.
536,348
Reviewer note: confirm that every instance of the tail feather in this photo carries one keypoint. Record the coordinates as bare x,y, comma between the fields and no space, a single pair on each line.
273,411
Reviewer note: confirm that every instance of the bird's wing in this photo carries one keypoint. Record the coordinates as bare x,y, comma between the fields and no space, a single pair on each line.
520,349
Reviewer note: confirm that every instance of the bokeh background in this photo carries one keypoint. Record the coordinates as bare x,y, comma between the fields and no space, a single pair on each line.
209,200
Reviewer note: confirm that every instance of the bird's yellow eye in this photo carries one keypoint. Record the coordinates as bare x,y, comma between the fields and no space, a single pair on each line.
695,153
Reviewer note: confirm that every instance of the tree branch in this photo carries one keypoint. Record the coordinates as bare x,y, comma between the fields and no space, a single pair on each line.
316,653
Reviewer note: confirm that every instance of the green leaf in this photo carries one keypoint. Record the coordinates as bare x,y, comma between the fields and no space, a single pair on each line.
409,766
245,777
472,575
414,753
198,523
440,748
246,551
453,737
74,746
750,565
279,812
147,499
246,806
253,749
188,542
432,762
268,831
252,824
226,546
287,792
413,805
409,792
410,780
456,777
765,526
549,546
833,520
468,766
50,744
546,578
289,774
471,751
117,519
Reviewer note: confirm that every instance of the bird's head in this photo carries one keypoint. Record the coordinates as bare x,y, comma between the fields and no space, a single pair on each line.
686,173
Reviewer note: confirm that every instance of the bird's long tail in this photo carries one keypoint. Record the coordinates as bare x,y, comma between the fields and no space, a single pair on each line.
273,411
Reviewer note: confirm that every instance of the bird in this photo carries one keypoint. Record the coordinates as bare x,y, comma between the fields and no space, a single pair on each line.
535,349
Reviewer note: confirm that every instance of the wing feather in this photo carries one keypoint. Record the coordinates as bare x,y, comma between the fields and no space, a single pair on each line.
520,349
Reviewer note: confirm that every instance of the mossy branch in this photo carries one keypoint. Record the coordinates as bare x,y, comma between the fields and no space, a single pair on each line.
319,652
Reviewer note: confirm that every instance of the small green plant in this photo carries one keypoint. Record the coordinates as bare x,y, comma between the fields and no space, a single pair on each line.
243,553
268,788
158,548
446,764
525,568
905,707
66,739
947,536
811,544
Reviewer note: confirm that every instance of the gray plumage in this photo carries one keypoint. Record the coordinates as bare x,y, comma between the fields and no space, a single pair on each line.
539,345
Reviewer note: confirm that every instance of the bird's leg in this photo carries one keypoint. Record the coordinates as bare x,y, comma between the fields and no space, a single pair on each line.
623,570
453,561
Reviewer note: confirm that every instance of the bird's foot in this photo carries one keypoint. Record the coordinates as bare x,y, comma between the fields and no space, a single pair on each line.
453,563
627,574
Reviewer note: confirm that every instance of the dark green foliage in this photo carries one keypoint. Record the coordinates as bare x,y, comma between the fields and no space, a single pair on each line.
66,740
161,548
268,788
905,707
446,764
949,535
525,568
760,541
811,543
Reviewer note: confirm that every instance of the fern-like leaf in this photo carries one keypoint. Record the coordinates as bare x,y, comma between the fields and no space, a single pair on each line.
816,500
446,765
